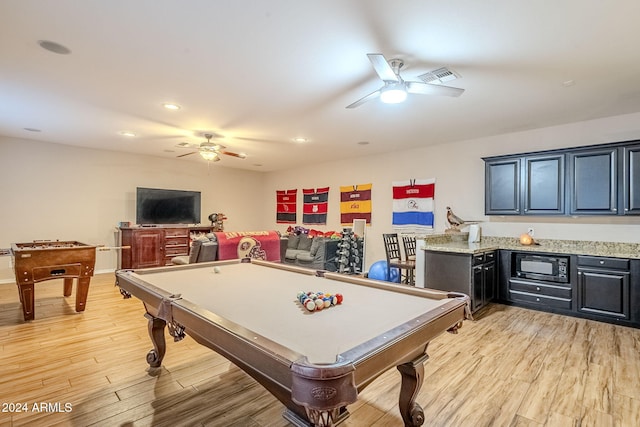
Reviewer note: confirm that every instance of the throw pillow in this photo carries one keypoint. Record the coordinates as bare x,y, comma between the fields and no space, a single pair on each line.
305,243
315,245
294,239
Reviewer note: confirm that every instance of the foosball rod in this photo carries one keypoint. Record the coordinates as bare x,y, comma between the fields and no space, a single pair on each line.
112,248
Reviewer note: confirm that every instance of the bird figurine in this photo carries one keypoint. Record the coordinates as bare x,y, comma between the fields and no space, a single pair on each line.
454,221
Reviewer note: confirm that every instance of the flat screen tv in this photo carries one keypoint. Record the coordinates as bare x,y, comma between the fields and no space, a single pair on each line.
161,206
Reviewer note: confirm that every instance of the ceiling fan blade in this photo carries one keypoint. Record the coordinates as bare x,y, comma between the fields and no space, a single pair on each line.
229,153
382,67
431,89
372,95
188,154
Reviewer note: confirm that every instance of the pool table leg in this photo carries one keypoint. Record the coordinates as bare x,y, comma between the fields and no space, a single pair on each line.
156,332
412,377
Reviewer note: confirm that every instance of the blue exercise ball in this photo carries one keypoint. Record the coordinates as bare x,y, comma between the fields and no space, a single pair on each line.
378,271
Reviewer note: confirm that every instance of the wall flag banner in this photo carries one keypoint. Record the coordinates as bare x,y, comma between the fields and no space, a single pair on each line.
355,203
413,204
286,206
315,205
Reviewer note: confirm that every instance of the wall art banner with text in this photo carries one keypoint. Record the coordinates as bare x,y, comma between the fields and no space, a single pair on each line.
286,206
315,205
413,204
355,203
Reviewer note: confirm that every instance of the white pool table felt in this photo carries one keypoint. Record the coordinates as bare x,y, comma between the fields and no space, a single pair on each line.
263,300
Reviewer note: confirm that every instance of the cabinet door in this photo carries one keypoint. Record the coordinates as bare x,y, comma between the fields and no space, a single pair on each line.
490,278
148,249
502,187
603,293
632,180
593,175
543,179
477,285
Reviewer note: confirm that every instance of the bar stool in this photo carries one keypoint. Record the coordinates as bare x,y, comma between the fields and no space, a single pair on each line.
395,260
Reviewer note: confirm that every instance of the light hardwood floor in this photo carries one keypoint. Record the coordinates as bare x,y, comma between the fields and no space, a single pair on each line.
510,367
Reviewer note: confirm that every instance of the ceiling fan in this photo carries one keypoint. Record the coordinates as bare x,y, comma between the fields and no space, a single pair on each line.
395,88
210,151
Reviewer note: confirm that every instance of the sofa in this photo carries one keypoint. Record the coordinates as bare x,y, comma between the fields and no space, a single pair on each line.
203,249
312,252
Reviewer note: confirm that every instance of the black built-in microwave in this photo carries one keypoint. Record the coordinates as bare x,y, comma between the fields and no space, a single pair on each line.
549,268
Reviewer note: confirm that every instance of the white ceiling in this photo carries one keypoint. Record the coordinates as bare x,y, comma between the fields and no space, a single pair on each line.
260,73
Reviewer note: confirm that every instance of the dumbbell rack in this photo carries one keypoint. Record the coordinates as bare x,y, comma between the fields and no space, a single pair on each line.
349,256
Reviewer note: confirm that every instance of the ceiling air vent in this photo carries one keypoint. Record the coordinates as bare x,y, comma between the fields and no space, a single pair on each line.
441,75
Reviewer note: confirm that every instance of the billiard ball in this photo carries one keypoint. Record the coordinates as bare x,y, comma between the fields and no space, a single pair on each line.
216,270
309,304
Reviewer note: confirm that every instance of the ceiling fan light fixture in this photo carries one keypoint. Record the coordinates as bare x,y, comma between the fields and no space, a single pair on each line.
208,155
393,94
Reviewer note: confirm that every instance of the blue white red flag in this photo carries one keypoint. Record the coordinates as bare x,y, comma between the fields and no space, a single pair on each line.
413,204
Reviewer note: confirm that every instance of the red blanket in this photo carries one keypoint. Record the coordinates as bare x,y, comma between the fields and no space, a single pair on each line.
264,245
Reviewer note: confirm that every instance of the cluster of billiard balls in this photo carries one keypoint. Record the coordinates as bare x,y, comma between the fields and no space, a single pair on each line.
315,301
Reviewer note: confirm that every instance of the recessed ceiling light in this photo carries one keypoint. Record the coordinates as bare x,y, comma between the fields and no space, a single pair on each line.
171,106
54,47
127,133
300,139
32,129
568,83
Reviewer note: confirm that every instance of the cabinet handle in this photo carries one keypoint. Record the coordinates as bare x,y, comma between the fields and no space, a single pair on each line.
537,299
601,262
537,288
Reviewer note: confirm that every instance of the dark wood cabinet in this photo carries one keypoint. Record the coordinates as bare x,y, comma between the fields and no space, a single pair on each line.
594,180
155,246
603,287
631,156
528,185
147,248
502,187
543,184
473,275
600,288
593,188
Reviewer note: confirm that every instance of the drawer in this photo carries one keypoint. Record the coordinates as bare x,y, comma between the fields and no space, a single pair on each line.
489,256
602,262
478,259
171,251
176,233
546,301
540,289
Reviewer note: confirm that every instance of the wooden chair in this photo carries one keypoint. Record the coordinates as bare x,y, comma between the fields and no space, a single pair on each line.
409,247
395,260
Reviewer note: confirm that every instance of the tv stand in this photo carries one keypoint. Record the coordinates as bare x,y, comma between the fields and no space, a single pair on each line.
153,245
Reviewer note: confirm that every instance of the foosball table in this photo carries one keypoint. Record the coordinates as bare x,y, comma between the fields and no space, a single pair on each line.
46,260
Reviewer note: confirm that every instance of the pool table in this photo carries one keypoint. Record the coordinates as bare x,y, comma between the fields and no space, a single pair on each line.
314,362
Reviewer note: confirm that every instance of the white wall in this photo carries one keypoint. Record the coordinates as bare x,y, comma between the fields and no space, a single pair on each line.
459,172
53,191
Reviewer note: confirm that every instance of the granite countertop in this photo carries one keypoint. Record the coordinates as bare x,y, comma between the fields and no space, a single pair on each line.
459,244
